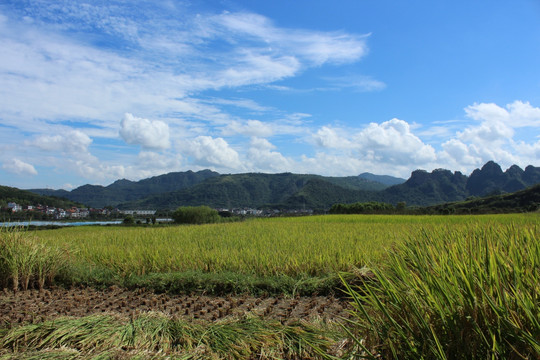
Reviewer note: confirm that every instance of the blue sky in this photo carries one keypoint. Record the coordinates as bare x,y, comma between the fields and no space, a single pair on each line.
94,91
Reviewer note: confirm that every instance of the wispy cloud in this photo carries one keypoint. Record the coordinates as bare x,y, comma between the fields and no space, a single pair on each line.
160,84
356,82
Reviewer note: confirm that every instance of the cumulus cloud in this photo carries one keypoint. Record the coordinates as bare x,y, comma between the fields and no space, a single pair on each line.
488,132
391,142
461,153
329,138
493,137
19,167
517,114
214,152
98,171
143,132
158,163
262,157
72,141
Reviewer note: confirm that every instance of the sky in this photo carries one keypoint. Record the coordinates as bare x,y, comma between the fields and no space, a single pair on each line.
99,90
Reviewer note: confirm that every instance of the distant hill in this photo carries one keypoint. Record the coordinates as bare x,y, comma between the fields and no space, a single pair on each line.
424,188
122,191
322,194
298,191
24,197
521,201
258,190
492,180
383,179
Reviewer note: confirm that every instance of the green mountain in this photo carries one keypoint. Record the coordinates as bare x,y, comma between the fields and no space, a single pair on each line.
519,201
441,186
424,188
258,190
322,194
492,180
297,191
122,191
383,179
24,197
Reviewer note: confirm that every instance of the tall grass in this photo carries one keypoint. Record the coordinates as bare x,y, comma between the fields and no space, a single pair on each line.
25,260
465,293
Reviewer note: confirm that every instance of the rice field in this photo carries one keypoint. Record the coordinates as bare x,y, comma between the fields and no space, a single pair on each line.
306,246
417,287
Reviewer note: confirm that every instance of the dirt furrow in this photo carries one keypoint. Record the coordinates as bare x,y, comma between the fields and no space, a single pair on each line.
35,306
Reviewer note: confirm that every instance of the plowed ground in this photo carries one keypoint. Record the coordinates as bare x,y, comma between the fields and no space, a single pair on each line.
34,306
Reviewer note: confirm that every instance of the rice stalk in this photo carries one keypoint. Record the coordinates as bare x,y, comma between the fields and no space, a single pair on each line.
455,294
157,335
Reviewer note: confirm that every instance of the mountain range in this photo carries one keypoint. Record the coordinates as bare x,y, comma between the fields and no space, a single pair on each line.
296,191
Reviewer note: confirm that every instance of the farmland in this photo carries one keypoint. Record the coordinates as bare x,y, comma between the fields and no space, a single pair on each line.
278,276
312,246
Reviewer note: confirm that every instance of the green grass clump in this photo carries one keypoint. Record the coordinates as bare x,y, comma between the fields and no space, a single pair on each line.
454,293
158,336
26,261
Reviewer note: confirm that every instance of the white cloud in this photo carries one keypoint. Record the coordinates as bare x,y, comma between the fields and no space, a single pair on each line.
249,128
241,103
517,114
342,164
329,138
214,152
262,157
489,132
460,153
255,68
357,83
96,170
493,138
155,163
72,141
390,145
148,134
315,47
50,74
393,142
19,167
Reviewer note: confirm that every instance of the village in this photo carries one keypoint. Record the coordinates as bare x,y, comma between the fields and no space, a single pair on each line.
54,213
73,212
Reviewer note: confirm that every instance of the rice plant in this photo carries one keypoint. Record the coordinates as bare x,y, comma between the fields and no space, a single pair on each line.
156,335
278,250
465,293
25,259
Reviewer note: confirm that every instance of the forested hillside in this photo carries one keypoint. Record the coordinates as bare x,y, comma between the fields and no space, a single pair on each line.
300,191
24,198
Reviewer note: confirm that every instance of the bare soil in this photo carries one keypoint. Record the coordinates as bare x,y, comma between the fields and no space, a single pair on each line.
33,306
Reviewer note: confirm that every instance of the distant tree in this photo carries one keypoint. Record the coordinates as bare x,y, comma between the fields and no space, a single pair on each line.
129,220
195,215
362,208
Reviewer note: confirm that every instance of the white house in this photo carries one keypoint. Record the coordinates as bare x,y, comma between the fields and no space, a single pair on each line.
14,207
138,212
